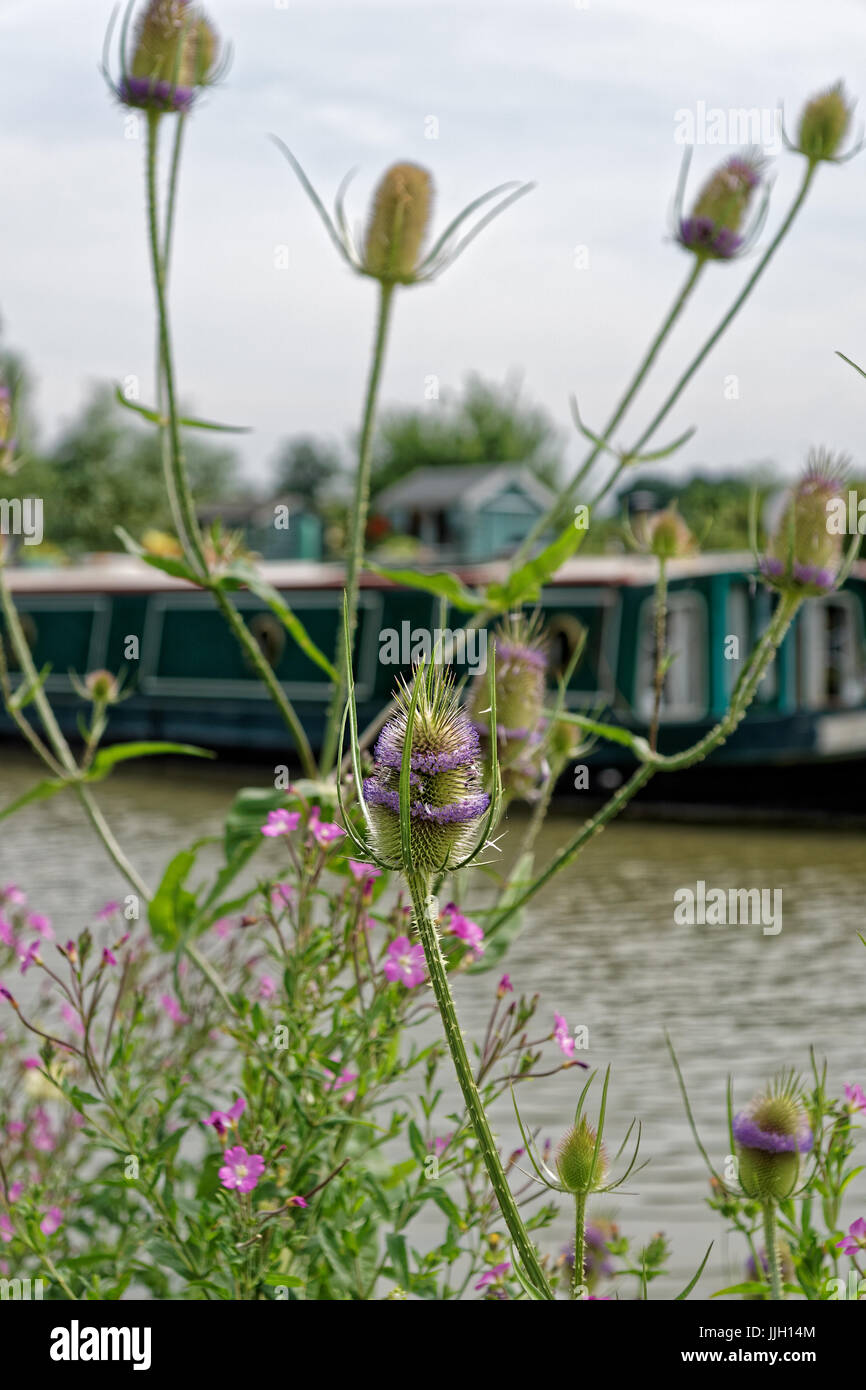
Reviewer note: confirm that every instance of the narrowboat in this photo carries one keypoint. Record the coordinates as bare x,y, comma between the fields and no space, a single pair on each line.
803,742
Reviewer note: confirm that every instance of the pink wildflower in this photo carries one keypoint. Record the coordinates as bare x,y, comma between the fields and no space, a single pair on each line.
855,1241
323,832
173,1009
241,1170
222,1120
41,925
470,932
51,1221
267,987
855,1097
494,1275
405,962
366,875
280,822
562,1037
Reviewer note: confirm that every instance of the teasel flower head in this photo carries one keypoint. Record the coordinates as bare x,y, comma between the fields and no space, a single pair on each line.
581,1160
665,535
175,54
804,556
714,229
770,1135
399,221
445,800
102,687
521,669
824,123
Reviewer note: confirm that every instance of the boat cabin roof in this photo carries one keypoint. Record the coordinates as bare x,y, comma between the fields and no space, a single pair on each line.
119,574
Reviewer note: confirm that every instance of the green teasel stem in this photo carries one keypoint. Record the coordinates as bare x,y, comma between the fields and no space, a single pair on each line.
176,476
744,692
771,1241
266,674
358,521
747,686
569,493
423,904
177,481
58,742
577,1284
724,323
661,622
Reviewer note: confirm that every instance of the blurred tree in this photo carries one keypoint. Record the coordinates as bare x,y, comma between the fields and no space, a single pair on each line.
105,470
487,423
307,467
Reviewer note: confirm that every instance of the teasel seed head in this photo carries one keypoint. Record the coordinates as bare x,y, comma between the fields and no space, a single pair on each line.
713,230
824,124
667,536
398,224
446,798
521,667
175,54
803,555
579,1167
770,1134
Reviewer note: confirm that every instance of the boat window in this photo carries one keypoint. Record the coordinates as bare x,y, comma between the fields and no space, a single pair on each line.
685,689
830,669
747,616
573,618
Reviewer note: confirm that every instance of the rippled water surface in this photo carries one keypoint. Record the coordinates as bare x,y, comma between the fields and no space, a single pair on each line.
600,945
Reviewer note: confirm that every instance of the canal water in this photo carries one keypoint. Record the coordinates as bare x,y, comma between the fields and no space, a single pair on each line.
602,946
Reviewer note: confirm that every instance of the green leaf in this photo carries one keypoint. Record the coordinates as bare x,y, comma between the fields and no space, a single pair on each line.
850,363
695,1277
443,585
190,422
614,733
524,585
172,906
168,564
396,1245
42,790
243,575
106,758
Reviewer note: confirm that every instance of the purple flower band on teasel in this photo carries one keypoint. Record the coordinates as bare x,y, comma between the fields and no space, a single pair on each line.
812,574
143,91
460,811
530,656
702,234
751,1136
390,752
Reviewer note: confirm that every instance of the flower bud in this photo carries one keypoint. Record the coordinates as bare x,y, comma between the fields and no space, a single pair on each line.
713,230
667,536
803,554
446,799
521,667
101,687
824,123
175,53
771,1133
579,1168
398,224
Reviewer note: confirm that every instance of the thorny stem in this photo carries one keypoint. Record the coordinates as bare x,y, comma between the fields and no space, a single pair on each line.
721,327
577,1284
358,523
631,391
661,622
743,695
771,1242
177,481
422,902
189,531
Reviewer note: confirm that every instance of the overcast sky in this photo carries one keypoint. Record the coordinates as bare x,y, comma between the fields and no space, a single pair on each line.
583,98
